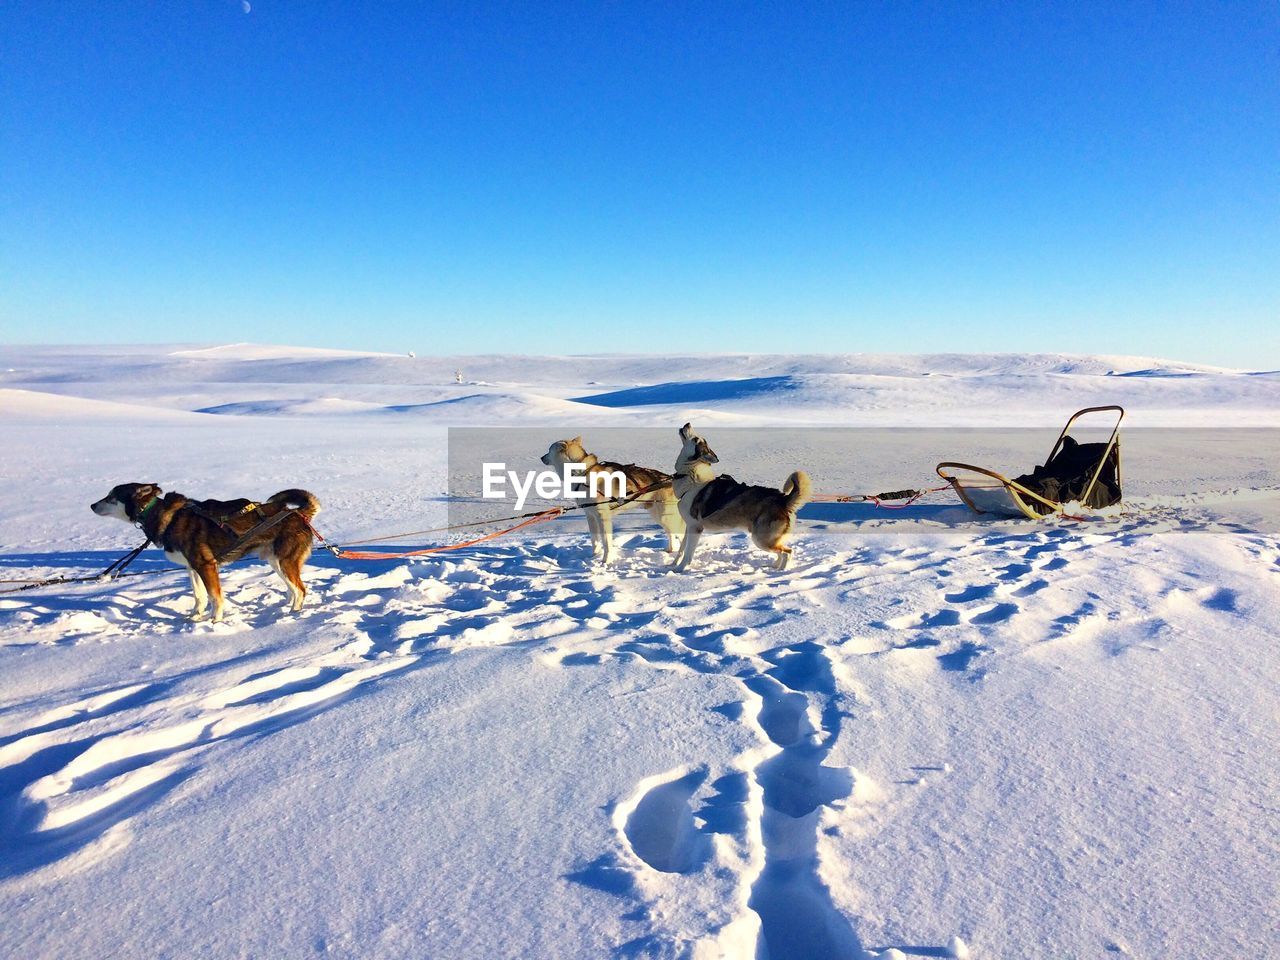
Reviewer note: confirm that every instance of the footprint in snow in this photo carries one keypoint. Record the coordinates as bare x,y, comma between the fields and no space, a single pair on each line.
658,823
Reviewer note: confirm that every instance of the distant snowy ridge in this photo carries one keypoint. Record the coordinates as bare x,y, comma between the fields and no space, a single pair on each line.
825,390
256,351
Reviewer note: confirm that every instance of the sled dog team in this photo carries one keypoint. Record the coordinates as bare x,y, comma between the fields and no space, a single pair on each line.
201,534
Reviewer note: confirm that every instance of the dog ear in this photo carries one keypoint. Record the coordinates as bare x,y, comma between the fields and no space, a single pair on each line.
685,431
577,439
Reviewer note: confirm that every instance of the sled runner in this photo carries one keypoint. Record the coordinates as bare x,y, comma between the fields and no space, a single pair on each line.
1085,474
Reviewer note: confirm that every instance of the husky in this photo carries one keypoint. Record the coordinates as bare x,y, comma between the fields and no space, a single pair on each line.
199,534
708,502
658,498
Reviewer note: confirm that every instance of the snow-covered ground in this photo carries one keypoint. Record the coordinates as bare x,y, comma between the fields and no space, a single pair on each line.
1053,739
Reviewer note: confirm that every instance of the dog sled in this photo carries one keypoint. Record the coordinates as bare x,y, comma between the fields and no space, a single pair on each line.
1079,475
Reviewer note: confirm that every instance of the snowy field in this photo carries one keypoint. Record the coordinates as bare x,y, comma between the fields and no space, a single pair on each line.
934,735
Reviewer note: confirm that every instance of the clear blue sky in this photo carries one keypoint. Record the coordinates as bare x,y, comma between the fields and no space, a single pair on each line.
644,177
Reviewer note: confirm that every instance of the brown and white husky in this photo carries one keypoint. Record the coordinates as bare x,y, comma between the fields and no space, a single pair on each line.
708,502
200,534
658,498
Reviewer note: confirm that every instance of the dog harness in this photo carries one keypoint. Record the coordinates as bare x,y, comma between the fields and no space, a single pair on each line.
717,495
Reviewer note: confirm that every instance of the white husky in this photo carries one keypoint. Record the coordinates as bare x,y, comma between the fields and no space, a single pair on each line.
657,497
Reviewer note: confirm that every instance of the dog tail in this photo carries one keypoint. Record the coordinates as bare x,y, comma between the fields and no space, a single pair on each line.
303,501
798,490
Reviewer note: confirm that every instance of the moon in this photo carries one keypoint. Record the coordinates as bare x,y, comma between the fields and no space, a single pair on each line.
244,5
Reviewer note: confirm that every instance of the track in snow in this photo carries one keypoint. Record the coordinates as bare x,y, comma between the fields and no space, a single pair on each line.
72,775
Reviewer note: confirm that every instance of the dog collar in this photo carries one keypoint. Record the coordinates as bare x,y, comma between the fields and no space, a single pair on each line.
142,514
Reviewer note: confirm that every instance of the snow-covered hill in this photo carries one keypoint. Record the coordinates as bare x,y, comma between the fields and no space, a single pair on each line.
853,389
1046,740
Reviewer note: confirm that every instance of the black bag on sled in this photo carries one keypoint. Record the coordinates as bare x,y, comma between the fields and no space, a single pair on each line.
1066,477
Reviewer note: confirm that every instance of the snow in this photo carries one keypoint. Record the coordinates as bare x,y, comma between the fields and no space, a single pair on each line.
934,735
837,389
255,351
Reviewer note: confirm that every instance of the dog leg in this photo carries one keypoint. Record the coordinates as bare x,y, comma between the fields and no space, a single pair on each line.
288,555
280,565
208,573
691,535
274,563
200,596
291,571
670,522
770,536
606,535
676,531
593,527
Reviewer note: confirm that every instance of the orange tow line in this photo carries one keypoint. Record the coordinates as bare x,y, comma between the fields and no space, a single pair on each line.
908,496
342,554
